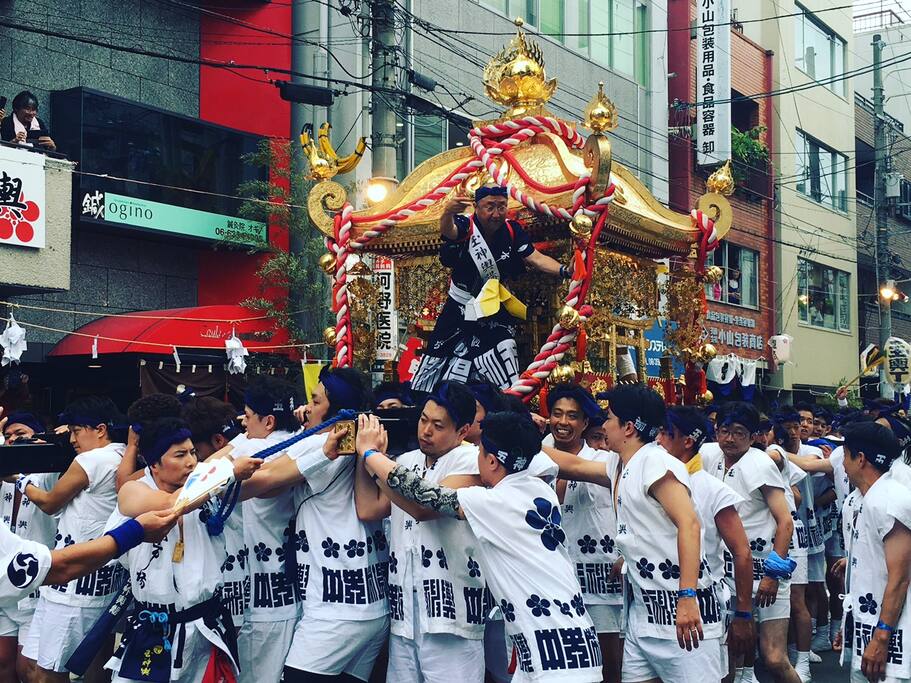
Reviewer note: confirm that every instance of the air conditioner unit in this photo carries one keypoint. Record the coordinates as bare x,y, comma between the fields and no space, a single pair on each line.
893,185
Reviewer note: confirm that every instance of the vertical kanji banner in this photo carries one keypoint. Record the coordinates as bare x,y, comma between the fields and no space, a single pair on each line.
387,324
22,205
713,82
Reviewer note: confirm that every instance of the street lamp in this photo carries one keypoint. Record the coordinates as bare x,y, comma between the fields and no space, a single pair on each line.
379,187
889,291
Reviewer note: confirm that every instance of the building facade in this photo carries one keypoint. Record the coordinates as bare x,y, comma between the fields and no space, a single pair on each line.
741,307
812,128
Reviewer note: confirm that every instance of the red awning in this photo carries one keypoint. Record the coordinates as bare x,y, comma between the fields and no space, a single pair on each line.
199,327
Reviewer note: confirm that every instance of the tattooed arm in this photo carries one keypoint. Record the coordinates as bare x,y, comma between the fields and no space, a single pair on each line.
408,484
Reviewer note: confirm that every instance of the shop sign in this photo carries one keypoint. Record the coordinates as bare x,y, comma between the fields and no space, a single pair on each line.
713,82
149,215
22,204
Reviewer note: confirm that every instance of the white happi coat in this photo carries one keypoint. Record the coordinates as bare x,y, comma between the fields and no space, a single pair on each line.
157,580
590,524
30,523
520,552
83,519
435,558
266,524
648,541
341,561
873,516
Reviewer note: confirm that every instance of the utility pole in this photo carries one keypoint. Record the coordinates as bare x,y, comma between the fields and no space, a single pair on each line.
306,20
881,211
382,119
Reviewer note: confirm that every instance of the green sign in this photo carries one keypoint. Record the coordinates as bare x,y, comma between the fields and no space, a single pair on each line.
143,213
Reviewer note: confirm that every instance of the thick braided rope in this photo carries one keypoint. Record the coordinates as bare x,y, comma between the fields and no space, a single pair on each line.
708,237
561,339
343,414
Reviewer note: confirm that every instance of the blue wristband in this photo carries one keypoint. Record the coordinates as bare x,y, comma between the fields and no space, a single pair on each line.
127,536
743,614
369,452
883,626
686,593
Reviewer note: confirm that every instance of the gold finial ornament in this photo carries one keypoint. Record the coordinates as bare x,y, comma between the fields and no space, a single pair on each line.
515,76
569,317
329,336
562,374
327,263
581,227
722,180
322,157
601,114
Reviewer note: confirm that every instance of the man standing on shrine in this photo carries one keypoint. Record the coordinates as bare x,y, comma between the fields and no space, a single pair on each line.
475,332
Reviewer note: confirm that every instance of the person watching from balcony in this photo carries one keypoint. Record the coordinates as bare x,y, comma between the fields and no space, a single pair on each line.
24,126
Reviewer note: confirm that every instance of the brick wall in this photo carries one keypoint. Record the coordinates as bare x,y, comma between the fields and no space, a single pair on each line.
110,273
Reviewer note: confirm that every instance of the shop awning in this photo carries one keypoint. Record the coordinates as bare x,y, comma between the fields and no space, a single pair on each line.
157,332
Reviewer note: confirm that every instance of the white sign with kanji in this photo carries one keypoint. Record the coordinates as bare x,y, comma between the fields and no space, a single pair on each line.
22,205
713,82
387,320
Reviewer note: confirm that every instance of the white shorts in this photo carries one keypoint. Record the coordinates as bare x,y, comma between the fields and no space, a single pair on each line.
780,609
608,618
816,567
262,647
647,658
800,574
435,658
496,656
330,648
56,632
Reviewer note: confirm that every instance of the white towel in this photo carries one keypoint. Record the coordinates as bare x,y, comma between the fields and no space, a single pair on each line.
748,372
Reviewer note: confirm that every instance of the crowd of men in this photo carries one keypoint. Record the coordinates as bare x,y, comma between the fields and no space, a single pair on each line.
615,539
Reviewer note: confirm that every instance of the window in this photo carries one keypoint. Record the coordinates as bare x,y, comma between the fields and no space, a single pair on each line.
821,172
610,32
428,135
819,52
740,284
823,296
904,205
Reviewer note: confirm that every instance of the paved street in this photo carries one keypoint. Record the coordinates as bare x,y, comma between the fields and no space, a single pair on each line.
827,672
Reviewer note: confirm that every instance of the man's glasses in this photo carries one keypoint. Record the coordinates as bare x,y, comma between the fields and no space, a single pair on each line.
735,433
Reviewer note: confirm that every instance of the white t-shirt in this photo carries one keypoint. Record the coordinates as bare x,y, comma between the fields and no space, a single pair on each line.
83,519
589,522
435,558
27,564
792,475
521,553
747,476
235,571
648,542
874,515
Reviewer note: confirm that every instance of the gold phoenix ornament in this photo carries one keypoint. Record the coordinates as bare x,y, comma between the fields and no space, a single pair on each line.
515,76
322,157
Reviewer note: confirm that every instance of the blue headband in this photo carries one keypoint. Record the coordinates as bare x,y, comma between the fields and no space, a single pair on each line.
263,405
163,443
485,395
338,391
513,461
489,191
441,398
697,432
27,419
588,405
